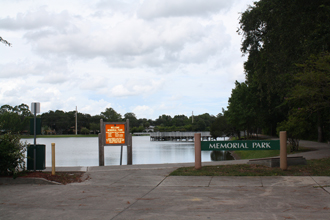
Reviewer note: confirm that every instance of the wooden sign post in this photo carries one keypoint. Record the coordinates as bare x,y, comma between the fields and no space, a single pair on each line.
115,134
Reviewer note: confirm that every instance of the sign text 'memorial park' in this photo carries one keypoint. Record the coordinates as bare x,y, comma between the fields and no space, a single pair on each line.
240,145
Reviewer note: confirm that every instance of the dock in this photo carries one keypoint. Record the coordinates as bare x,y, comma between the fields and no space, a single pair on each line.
179,136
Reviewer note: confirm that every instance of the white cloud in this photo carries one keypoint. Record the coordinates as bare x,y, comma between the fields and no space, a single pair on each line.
136,87
143,111
173,8
150,57
55,78
36,19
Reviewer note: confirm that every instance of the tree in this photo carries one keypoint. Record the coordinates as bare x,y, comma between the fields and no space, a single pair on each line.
133,122
14,119
10,122
4,41
242,109
180,120
94,127
312,90
58,120
84,130
277,34
165,120
220,127
111,115
296,127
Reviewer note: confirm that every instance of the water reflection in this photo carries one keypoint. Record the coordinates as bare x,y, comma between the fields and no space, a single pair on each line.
221,155
84,152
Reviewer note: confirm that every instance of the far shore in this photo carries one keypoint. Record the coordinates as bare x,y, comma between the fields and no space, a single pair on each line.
59,136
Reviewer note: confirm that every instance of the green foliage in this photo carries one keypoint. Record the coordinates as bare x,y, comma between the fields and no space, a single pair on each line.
94,127
278,34
133,121
312,90
11,154
220,127
84,130
295,127
14,119
242,109
111,115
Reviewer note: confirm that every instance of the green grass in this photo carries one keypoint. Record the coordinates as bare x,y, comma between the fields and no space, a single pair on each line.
250,154
59,136
313,168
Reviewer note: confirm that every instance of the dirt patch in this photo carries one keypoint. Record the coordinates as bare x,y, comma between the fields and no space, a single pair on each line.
59,177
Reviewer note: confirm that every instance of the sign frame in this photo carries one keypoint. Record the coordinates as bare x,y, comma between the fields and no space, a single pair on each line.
240,145
104,133
128,142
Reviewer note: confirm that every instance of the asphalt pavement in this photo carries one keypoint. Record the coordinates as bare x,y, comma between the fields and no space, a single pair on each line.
147,192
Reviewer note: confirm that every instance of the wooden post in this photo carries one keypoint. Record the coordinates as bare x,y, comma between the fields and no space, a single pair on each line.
129,144
283,155
101,143
101,151
53,159
198,158
129,150
121,155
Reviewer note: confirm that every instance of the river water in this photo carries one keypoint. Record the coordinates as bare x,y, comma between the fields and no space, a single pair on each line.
83,151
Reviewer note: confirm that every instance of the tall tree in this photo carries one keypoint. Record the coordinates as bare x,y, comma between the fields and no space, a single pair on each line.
133,122
111,115
242,108
15,119
277,34
311,93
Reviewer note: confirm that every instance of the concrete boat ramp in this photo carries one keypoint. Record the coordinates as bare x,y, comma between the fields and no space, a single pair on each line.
147,192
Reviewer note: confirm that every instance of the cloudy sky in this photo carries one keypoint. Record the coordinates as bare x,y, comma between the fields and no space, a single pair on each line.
150,57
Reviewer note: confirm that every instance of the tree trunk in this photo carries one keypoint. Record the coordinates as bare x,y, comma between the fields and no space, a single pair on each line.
319,127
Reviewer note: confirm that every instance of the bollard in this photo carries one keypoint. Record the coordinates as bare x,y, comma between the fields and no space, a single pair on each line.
283,155
53,159
198,152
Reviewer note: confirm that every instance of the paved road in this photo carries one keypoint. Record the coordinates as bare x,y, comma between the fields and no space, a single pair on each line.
147,192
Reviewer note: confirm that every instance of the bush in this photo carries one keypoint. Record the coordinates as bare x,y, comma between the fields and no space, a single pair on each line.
295,127
11,154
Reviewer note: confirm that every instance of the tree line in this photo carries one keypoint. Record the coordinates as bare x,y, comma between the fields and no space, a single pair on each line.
17,119
287,71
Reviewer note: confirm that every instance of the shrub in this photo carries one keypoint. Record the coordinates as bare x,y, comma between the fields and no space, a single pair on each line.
11,154
295,126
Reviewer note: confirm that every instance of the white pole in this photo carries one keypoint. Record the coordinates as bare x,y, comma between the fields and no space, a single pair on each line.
76,120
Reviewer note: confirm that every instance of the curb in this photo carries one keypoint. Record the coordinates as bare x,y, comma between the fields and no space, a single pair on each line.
27,180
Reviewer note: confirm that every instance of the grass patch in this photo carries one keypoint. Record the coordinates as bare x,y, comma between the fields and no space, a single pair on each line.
313,168
255,154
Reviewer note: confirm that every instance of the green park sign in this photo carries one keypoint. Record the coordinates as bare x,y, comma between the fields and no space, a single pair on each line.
240,145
